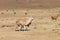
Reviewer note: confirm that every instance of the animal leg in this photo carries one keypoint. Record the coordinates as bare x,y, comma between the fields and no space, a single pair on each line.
18,28
26,28
22,28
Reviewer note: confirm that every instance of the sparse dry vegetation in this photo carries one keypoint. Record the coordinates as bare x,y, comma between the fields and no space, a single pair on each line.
55,17
26,13
14,12
2,13
42,27
46,23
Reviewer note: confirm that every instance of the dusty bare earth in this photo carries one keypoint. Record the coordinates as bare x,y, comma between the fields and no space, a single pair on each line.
42,27
34,4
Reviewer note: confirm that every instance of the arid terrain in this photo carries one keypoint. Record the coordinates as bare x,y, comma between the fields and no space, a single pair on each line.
43,26
32,4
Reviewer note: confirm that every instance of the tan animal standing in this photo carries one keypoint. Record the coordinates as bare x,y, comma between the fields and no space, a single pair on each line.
23,24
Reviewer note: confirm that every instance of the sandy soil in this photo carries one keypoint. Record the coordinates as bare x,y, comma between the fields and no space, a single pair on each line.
29,4
42,27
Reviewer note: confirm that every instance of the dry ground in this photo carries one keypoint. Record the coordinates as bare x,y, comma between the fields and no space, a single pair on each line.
42,27
34,4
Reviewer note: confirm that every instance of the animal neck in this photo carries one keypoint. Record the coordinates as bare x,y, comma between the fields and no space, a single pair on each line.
28,21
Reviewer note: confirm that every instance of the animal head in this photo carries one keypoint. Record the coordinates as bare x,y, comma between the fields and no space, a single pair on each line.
31,18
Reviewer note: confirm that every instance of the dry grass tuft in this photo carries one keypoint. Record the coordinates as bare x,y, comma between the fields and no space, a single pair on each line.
2,13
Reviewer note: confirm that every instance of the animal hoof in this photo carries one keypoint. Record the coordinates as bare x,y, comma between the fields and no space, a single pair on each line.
26,29
16,30
21,30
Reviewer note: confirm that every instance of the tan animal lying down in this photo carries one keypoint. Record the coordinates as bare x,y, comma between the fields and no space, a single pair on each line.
23,24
